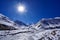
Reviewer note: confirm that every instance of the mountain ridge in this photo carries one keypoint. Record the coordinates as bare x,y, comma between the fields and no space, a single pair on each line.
45,29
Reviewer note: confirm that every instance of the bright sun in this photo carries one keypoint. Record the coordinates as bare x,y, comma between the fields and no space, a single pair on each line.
21,8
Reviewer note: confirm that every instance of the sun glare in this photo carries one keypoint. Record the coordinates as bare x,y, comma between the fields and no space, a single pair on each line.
21,8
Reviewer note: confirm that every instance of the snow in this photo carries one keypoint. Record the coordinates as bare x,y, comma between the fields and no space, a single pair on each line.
5,35
45,29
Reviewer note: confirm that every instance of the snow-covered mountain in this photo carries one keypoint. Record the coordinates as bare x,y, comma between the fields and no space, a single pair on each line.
6,23
45,29
20,23
49,23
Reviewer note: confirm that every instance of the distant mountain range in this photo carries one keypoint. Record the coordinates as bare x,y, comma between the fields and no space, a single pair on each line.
20,23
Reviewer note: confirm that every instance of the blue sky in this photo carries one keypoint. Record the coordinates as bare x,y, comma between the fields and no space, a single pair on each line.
36,9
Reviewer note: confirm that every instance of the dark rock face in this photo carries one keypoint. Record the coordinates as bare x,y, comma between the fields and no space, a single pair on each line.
5,27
